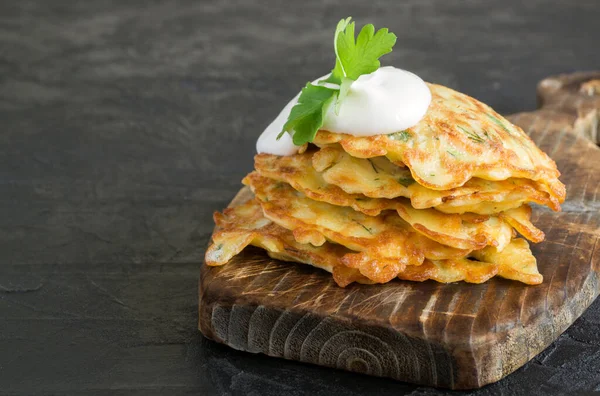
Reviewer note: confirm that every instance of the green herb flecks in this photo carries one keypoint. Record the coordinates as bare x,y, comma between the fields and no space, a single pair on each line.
496,121
363,226
406,181
372,165
354,56
402,136
472,135
453,153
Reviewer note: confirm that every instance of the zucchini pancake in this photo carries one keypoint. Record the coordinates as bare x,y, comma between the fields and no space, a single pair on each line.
372,174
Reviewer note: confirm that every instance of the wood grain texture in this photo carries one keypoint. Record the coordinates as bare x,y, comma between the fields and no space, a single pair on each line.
456,336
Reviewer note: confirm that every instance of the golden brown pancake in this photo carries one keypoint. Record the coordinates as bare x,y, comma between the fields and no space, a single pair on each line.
332,175
245,225
440,201
383,245
515,262
448,271
459,138
317,221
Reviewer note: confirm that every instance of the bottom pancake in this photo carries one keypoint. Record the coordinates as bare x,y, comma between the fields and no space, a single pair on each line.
245,225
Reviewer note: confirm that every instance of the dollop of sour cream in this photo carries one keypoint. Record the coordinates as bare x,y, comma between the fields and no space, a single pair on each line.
386,101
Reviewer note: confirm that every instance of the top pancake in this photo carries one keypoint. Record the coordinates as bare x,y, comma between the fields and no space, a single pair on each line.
458,138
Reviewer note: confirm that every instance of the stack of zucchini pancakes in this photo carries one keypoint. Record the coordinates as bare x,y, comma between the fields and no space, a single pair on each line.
446,200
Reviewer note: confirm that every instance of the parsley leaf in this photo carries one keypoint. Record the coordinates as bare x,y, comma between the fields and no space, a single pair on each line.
306,117
338,73
354,57
361,56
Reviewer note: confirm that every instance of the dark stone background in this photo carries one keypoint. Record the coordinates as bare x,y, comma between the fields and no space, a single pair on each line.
124,125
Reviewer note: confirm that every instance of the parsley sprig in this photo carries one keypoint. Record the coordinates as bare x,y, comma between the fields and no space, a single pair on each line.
353,58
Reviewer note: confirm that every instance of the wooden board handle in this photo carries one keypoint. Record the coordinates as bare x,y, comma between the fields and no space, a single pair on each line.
577,97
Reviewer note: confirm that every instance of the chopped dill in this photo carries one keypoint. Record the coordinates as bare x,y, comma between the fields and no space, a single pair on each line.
402,136
406,181
453,153
363,226
373,165
499,123
472,135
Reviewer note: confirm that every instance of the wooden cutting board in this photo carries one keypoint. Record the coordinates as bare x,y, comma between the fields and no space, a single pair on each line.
455,336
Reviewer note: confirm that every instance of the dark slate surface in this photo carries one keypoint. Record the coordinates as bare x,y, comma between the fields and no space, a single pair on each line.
124,125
